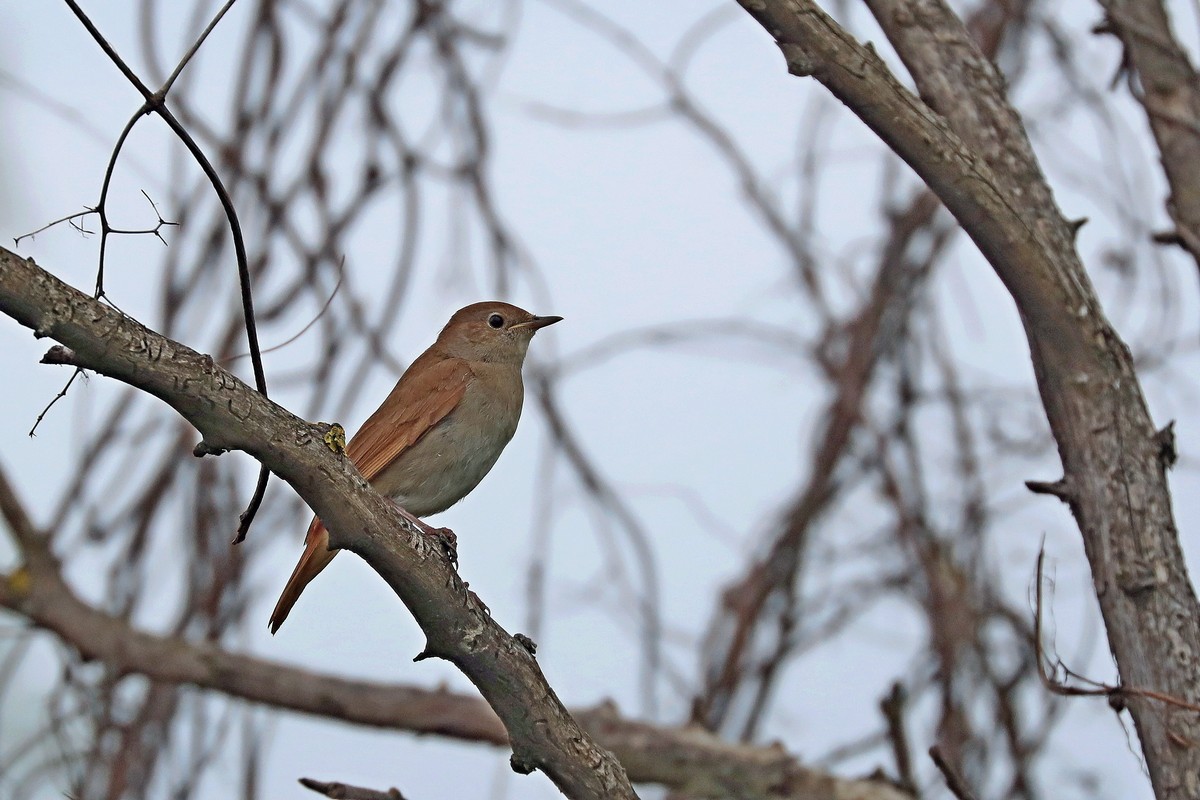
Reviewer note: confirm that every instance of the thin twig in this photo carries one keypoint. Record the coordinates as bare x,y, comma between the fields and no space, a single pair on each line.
892,707
341,791
954,781
59,221
1117,695
62,393
156,102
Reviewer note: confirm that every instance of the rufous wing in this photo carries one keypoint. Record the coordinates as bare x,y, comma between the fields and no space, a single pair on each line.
426,393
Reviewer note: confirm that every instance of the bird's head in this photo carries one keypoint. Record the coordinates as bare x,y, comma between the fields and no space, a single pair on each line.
491,331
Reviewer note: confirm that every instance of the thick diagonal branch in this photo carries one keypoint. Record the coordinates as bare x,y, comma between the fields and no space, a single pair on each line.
232,416
684,759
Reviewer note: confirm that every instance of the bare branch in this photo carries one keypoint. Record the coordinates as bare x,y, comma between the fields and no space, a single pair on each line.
687,759
954,781
978,160
1168,88
155,102
230,416
340,791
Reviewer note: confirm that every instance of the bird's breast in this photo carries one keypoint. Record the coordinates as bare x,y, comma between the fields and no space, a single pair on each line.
450,460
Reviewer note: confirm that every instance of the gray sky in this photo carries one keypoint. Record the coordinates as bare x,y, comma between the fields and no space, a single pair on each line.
625,226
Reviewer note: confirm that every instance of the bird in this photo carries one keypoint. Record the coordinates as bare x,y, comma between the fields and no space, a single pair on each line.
440,430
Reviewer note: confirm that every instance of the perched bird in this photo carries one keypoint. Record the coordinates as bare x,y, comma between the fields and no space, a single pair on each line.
442,427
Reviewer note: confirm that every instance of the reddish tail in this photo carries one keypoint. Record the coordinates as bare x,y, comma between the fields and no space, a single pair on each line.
316,557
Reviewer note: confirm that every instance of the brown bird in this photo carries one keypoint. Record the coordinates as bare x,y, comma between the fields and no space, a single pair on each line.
442,427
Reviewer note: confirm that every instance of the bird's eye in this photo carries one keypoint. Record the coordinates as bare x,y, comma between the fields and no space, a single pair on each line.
496,321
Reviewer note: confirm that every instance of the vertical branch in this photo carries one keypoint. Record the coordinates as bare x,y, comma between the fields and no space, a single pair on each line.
977,159
1162,78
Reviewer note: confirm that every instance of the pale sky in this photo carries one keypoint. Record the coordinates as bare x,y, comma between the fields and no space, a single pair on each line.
627,226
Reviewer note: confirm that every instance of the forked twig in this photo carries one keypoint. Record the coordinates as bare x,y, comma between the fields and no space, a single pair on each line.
1117,695
61,394
155,102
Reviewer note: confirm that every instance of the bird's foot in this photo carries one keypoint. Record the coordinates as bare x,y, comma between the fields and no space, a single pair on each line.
443,536
446,538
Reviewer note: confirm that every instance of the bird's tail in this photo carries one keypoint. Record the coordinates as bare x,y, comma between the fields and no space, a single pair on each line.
316,557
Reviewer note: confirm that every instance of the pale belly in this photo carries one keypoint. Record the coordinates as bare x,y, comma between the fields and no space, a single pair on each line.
451,459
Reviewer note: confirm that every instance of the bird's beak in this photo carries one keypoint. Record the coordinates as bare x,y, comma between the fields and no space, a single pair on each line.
537,323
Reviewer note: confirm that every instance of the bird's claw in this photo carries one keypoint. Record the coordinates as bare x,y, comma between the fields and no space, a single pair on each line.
529,645
443,536
448,541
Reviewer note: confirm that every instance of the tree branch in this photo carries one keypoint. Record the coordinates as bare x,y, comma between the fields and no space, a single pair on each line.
982,168
232,416
1169,90
341,791
683,759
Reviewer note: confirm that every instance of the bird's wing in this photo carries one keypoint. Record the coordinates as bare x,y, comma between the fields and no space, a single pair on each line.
426,393
422,398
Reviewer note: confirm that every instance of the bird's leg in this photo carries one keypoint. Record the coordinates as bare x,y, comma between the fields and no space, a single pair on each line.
449,542
444,536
